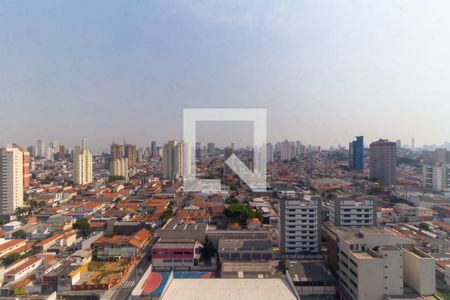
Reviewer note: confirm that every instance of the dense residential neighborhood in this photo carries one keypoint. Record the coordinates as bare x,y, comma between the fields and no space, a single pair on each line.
320,229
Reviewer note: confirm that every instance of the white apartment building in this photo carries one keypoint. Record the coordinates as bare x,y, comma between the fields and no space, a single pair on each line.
82,165
285,151
40,148
436,178
353,212
119,167
419,271
11,180
299,223
372,263
269,152
173,160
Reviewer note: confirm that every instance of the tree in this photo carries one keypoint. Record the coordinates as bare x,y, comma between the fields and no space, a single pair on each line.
424,226
376,189
82,225
166,215
20,211
239,212
234,187
208,250
253,214
11,258
115,177
19,234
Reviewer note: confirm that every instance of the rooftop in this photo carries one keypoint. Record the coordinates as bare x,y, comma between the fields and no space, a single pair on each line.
230,289
309,271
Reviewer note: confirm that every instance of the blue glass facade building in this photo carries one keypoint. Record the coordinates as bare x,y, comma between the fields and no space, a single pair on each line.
356,154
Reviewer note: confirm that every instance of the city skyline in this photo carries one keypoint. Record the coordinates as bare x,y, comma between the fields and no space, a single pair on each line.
106,72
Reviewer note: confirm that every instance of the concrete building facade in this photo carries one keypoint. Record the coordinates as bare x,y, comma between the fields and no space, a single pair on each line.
82,165
119,167
299,224
11,180
383,162
353,212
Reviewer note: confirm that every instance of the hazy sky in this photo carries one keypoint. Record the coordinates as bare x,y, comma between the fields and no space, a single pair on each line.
325,70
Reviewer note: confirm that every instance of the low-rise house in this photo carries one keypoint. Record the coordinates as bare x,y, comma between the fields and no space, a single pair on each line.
48,242
9,246
245,249
119,246
253,224
410,213
196,217
48,198
22,268
176,254
60,222
62,278
12,226
311,278
178,229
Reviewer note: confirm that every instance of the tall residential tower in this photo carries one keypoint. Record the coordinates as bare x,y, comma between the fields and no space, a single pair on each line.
82,165
383,162
356,154
11,180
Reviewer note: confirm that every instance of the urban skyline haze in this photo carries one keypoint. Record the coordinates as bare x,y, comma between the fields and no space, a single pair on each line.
325,71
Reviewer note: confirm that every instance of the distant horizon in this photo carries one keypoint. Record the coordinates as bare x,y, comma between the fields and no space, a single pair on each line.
96,150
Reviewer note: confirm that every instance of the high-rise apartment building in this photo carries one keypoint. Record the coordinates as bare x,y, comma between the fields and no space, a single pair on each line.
227,152
383,162
198,150
436,157
269,152
299,223
285,151
173,160
55,146
140,154
11,180
153,150
32,151
82,165
40,149
211,148
116,151
298,148
26,169
50,154
119,167
374,263
359,211
356,154
436,170
131,154
436,178
62,152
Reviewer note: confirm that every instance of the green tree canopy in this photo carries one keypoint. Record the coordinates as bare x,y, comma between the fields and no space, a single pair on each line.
166,215
424,226
115,177
239,212
82,225
19,234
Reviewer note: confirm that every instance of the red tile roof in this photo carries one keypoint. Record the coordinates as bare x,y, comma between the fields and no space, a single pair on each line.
10,243
51,239
19,268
